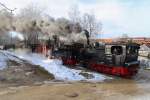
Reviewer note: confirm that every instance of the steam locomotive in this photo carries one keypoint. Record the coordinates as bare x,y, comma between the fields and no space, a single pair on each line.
119,59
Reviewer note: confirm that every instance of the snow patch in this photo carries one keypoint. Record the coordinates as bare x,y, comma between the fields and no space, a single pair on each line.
3,61
5,56
55,67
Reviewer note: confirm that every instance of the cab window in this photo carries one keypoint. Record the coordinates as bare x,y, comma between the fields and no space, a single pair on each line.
117,50
132,50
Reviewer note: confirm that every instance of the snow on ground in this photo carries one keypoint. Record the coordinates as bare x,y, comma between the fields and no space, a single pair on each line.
3,61
55,67
4,57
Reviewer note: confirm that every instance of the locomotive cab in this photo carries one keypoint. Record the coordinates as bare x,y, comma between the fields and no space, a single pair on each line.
115,54
132,54
121,54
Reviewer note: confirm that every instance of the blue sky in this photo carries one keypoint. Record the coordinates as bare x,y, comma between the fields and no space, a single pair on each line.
118,17
88,1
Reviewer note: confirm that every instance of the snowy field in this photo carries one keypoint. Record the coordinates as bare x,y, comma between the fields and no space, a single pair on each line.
53,66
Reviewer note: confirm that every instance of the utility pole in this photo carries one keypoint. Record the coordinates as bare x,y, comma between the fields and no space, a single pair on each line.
11,11
4,6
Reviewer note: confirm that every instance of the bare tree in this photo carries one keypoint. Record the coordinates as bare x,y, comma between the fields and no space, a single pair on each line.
31,11
75,18
74,14
27,22
87,21
5,24
91,24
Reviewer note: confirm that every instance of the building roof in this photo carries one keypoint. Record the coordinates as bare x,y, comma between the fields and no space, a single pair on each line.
138,40
104,40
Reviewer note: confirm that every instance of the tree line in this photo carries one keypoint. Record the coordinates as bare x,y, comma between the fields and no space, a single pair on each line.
34,24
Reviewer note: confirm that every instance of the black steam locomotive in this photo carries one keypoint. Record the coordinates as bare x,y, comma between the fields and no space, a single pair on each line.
119,59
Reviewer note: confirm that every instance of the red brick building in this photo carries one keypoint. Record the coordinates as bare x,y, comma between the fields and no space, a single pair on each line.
139,40
104,40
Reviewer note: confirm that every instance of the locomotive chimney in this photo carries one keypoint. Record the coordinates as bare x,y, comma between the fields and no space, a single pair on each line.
87,36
